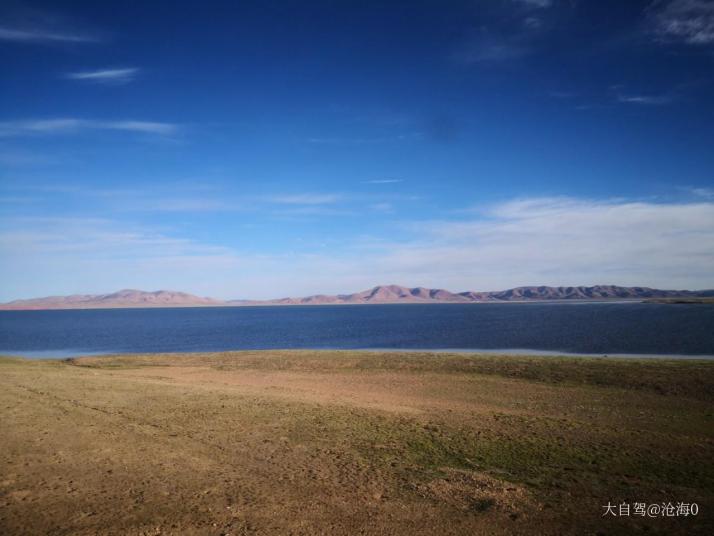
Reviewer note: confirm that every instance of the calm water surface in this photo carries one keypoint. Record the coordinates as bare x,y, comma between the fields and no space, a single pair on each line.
588,328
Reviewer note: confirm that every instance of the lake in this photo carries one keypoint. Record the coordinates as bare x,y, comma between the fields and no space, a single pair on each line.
580,328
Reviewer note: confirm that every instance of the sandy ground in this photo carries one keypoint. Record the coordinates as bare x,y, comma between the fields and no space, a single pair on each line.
350,443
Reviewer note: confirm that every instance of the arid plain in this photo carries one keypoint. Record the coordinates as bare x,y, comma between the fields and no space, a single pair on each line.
303,442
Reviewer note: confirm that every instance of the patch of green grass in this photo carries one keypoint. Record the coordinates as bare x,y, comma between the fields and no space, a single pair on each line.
545,457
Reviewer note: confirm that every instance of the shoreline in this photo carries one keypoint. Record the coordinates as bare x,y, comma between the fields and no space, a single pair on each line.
59,355
578,301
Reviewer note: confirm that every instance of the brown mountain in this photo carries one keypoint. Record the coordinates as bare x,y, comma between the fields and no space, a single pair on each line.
121,299
584,293
378,294
399,294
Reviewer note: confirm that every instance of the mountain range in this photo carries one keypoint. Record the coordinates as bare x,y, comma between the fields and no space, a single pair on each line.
380,294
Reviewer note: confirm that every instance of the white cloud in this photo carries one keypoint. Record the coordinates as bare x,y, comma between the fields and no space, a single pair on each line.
91,239
687,21
37,35
556,241
106,76
149,127
72,125
60,255
570,241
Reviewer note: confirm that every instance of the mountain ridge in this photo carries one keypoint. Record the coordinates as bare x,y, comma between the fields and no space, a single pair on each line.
132,298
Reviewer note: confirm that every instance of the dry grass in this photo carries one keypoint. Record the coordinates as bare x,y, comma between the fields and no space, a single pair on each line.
352,442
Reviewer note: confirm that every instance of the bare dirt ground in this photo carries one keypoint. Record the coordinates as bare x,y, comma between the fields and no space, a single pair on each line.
352,443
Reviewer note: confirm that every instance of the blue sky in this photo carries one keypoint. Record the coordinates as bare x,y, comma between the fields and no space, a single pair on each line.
264,149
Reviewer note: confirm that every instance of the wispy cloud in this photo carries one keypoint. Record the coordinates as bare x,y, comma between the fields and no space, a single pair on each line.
15,200
106,76
305,199
384,181
685,21
34,26
364,141
648,100
540,4
382,207
489,47
706,193
509,31
20,158
151,198
73,125
310,212
622,94
22,35
149,127
188,198
99,253
178,204
89,241
95,237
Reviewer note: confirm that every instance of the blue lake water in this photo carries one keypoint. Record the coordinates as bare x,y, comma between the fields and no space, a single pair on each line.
587,328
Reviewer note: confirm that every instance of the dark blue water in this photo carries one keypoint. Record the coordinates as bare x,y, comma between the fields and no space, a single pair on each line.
589,328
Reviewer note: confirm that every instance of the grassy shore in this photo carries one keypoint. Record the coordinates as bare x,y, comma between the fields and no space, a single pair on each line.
288,442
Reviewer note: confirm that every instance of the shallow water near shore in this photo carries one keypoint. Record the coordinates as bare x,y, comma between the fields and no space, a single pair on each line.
613,329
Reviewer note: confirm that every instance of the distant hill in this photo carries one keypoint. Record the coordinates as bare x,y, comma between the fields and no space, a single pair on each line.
399,294
121,299
379,294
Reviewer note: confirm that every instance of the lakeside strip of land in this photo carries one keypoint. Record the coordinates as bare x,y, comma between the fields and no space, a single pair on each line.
381,294
345,442
504,352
